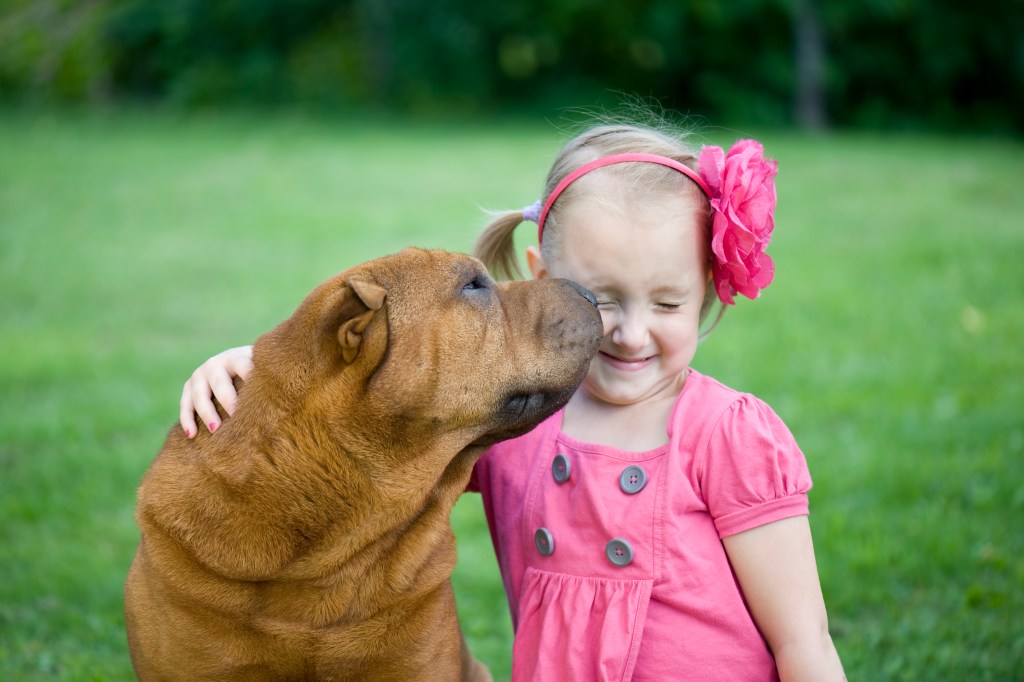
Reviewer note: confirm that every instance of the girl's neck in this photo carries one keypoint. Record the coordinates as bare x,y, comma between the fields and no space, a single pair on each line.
634,427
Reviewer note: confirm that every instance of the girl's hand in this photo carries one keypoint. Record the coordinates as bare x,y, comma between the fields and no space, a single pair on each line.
213,379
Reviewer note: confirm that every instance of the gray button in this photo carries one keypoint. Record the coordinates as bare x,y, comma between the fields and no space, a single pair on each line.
561,469
619,552
633,479
545,541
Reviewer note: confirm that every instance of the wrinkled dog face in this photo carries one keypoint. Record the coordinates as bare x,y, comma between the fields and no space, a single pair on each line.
450,350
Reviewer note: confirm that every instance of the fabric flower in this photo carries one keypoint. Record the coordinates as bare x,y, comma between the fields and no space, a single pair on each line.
743,200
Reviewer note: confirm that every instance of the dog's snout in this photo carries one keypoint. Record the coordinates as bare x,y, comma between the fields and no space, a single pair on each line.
584,292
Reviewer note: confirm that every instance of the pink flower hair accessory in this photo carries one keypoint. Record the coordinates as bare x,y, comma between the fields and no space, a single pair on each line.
742,195
740,186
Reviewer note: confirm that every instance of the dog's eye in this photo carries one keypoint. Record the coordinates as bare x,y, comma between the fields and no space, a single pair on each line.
478,282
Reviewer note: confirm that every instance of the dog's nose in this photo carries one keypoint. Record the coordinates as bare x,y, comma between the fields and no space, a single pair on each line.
584,292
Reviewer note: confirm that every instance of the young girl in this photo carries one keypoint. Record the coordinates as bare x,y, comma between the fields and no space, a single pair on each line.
656,527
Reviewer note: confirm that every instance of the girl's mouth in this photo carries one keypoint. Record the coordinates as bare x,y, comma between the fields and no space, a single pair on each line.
626,364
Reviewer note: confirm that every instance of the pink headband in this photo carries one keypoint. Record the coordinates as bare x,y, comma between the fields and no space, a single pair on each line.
740,186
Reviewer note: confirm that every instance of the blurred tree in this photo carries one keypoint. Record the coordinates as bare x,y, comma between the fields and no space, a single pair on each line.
52,50
377,27
878,63
939,63
809,63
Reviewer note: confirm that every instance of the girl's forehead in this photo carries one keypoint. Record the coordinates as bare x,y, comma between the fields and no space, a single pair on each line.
658,223
637,202
609,228
615,249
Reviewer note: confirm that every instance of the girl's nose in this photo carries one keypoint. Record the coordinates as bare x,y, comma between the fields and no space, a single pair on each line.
629,331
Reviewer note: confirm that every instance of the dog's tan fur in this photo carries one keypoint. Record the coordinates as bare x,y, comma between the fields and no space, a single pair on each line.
309,538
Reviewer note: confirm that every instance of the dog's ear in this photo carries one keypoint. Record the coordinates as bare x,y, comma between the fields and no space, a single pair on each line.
368,298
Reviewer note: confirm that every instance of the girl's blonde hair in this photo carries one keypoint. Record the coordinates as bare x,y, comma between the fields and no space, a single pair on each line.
495,245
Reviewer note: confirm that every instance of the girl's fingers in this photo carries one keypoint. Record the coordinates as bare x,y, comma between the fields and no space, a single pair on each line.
213,379
221,371
203,381
238,362
196,398
223,390
187,414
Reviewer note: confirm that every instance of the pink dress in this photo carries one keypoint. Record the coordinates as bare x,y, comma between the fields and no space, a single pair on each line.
613,561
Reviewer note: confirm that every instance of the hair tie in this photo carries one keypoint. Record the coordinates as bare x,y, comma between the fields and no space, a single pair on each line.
740,186
532,212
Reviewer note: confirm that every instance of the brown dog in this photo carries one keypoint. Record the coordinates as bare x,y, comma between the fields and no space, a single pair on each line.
309,538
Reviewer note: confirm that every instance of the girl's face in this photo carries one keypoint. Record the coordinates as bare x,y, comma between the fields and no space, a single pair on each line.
646,262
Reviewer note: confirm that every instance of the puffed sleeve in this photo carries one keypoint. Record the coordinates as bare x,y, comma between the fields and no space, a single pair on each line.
753,471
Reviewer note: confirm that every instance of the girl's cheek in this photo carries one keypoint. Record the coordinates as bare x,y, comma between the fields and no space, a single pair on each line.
608,319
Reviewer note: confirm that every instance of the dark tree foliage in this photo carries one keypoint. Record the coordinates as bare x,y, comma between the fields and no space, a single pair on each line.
870,63
942,62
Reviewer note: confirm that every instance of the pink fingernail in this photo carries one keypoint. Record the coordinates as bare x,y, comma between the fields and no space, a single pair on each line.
188,433
213,427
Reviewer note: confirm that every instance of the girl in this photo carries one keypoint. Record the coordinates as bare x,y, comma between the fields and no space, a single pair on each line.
656,527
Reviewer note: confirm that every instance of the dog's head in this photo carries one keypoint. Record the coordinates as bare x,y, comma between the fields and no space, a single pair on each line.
424,345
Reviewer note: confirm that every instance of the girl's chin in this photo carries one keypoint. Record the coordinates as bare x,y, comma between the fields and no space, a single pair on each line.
616,393
619,388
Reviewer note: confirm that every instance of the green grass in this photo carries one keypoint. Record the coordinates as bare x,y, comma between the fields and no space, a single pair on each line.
134,246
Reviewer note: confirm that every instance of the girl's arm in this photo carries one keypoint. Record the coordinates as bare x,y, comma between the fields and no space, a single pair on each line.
213,379
779,578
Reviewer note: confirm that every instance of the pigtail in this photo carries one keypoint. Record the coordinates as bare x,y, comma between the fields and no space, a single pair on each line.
496,247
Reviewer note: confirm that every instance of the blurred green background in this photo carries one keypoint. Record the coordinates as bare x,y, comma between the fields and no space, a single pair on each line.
176,176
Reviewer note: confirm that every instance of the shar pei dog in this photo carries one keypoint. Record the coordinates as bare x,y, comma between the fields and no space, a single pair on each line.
309,537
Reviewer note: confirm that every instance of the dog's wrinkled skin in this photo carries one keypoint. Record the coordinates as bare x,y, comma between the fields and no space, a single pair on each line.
309,538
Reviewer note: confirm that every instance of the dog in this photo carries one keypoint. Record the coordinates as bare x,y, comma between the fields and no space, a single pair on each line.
308,538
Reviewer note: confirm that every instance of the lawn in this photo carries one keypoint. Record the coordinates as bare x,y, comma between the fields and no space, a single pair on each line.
134,246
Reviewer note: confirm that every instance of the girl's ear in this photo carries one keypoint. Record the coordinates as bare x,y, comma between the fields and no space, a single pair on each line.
535,262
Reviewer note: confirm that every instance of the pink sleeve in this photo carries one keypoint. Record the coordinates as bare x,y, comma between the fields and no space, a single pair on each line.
754,473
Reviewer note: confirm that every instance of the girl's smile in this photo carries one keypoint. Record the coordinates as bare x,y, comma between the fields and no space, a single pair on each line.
626,364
